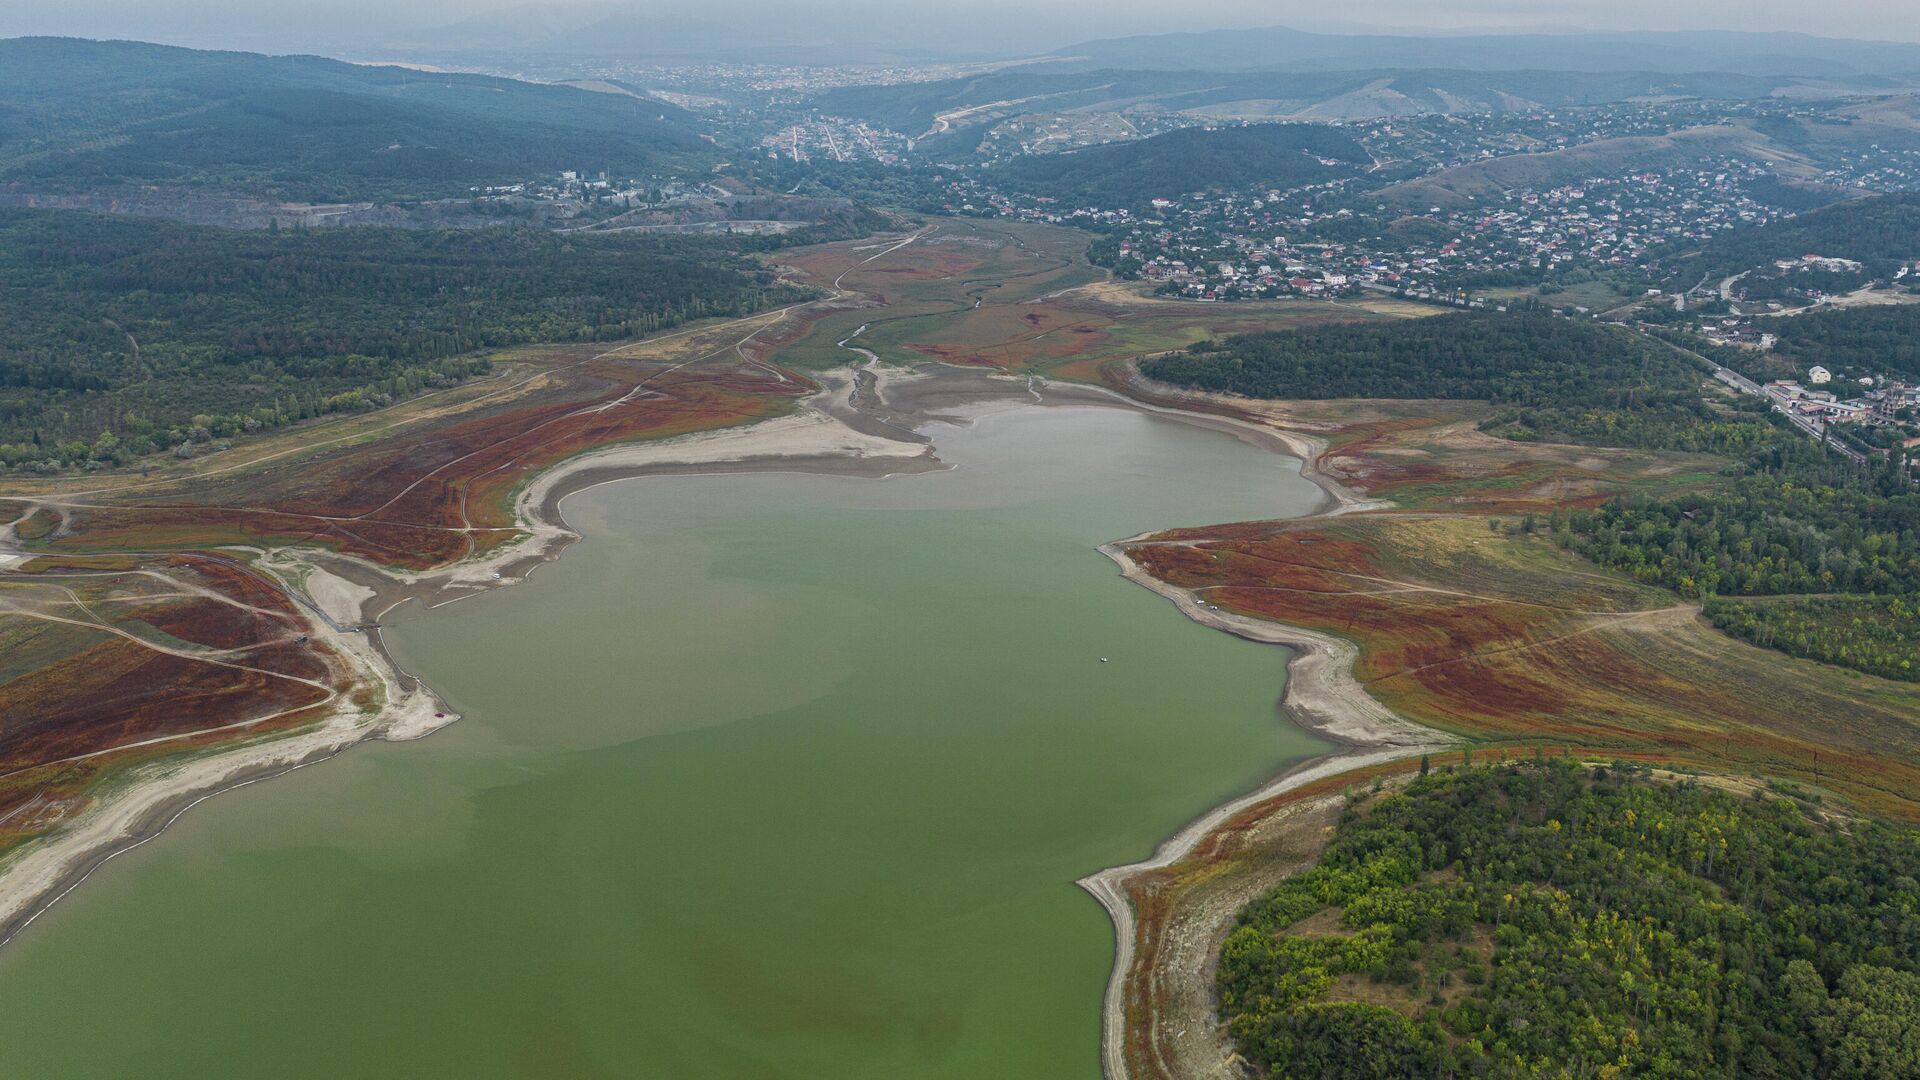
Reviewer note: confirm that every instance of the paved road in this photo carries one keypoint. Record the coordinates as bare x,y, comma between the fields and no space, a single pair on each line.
1745,385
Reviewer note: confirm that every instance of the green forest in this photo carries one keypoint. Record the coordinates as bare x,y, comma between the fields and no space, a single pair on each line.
1541,919
1559,379
1796,521
1189,159
1876,634
89,115
1852,342
1791,519
126,336
1879,231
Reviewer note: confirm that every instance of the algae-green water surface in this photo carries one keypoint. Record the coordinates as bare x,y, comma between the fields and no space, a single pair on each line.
776,775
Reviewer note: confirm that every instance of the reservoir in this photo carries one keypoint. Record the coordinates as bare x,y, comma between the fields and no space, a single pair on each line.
775,775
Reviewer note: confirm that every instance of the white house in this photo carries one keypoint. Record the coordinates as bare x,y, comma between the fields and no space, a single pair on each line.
1817,375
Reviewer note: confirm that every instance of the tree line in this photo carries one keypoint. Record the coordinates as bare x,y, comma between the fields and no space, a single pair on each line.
1796,521
126,336
1558,379
1876,634
1880,340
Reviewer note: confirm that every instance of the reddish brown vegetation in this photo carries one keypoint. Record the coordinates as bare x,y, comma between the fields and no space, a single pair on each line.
215,644
192,661
410,500
1545,652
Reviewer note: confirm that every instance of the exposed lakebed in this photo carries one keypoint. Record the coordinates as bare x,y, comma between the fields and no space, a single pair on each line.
777,775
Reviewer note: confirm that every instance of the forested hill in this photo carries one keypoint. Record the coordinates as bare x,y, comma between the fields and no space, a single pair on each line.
1540,919
89,115
126,335
1880,231
1190,159
1561,379
1854,341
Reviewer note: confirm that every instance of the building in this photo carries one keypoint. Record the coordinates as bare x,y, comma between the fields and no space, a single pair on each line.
1818,375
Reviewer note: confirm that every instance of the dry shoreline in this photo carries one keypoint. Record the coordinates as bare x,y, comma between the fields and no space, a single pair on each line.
831,432
347,597
1321,695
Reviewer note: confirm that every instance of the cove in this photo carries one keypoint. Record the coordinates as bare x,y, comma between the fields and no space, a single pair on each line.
775,775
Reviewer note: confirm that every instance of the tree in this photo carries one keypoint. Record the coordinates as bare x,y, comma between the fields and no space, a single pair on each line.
1870,1029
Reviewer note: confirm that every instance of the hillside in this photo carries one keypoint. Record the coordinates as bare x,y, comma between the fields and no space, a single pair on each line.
1494,177
1544,919
1877,231
1561,380
1189,159
127,335
85,115
1797,148
1852,342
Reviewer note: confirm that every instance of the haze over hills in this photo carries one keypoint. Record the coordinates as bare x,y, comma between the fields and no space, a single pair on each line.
1282,48
1554,399
1282,73
81,115
1797,148
614,31
1325,95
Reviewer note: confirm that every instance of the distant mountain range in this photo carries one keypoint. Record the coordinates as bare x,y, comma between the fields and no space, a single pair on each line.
1279,48
81,115
632,30
1280,73
602,30
540,34
1797,149
1343,95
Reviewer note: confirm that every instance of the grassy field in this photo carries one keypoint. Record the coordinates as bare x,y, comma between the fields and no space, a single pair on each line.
138,648
1592,295
1021,298
429,481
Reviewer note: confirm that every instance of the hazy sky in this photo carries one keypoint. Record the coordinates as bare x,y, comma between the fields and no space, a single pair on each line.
1002,25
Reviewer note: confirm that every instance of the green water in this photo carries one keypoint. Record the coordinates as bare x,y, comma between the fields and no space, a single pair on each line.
774,776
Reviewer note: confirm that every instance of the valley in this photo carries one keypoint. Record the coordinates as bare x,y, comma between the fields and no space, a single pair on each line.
616,547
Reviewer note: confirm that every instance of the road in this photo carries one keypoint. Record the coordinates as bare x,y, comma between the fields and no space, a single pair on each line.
1744,385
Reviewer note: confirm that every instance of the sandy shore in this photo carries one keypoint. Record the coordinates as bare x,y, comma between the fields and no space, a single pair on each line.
1321,695
348,596
837,431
